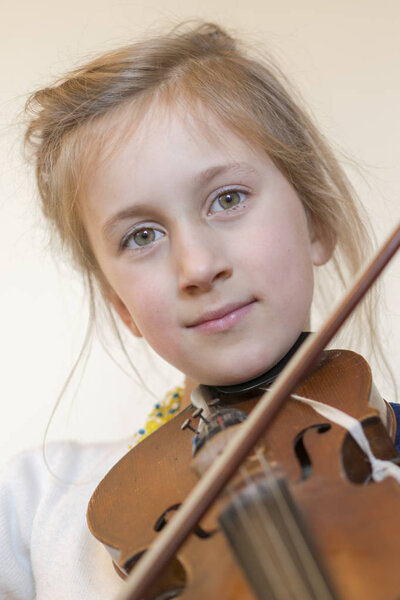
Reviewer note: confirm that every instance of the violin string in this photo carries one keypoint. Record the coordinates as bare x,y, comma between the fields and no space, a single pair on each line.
289,520
262,548
295,576
297,537
271,542
294,579
303,550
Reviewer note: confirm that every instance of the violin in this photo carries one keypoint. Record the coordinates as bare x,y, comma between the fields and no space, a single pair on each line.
301,519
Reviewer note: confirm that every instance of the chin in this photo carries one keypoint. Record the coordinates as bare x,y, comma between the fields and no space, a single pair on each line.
246,366
238,375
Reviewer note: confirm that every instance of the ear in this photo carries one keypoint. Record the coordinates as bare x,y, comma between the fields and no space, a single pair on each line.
122,311
323,242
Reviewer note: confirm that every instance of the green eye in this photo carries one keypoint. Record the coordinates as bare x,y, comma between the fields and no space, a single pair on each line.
140,238
144,237
229,199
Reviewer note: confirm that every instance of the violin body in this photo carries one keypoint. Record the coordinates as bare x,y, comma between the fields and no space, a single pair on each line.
127,504
354,524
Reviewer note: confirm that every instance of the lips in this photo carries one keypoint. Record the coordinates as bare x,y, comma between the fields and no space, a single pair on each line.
222,318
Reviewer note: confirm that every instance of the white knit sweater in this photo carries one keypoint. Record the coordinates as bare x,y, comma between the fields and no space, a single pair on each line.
46,549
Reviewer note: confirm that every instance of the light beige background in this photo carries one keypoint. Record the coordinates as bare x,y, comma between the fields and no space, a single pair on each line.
343,56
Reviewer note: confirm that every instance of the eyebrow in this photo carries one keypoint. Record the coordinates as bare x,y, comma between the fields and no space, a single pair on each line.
208,174
124,214
202,178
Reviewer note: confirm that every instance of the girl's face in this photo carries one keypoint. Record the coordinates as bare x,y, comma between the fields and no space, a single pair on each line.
205,246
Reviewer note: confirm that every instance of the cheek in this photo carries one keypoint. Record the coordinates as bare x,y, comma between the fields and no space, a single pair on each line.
280,265
154,312
147,302
143,294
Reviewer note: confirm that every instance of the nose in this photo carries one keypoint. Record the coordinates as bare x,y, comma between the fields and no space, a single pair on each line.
201,258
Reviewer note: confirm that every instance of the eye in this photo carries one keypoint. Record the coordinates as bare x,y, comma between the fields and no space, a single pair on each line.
139,238
226,200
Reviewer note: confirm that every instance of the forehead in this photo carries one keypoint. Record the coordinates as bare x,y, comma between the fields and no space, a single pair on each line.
142,134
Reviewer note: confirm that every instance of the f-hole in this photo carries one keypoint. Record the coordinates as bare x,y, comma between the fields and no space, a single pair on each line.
162,521
301,453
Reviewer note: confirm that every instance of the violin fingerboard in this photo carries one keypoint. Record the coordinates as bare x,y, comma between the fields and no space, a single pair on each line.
269,540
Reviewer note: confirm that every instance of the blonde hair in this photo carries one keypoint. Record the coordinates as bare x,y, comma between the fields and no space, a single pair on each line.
204,65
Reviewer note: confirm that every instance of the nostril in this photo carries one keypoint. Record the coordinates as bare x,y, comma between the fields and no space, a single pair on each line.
201,274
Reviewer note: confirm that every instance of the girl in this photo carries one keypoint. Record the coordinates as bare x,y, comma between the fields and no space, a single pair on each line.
197,197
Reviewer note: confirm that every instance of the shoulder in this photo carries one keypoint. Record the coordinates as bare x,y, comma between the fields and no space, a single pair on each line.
43,516
59,465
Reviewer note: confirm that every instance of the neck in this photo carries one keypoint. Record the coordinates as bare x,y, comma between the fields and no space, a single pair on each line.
250,387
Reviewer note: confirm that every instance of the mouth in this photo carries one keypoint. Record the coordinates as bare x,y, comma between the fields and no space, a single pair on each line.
223,318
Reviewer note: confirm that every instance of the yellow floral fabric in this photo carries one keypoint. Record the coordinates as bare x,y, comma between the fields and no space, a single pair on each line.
162,412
